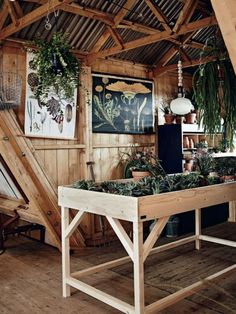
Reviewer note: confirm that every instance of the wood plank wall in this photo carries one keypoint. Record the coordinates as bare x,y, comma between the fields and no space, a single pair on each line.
65,160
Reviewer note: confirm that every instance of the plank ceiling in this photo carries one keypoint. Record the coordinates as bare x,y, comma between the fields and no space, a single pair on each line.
149,32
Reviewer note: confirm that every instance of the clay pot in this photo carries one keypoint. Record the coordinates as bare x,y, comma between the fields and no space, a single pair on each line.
190,118
169,118
188,166
227,178
137,175
179,119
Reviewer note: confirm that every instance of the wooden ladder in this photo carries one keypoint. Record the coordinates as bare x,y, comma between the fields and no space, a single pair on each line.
19,155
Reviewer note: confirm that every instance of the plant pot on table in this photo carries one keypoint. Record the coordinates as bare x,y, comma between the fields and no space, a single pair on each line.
137,175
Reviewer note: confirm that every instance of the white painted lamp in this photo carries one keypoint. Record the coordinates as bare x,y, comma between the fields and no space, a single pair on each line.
180,105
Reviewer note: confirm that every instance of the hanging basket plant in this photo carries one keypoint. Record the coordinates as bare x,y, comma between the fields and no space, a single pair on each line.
56,68
214,87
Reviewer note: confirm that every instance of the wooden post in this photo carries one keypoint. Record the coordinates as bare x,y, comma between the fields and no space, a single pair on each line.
139,301
65,251
198,225
225,11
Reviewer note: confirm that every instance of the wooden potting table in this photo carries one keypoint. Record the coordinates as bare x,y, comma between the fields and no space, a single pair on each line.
137,210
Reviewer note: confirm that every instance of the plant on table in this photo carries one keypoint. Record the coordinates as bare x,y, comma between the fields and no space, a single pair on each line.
141,160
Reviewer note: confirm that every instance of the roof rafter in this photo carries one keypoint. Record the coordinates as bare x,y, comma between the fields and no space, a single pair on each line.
101,41
32,17
122,13
165,35
159,15
12,12
172,52
3,14
186,64
185,14
18,9
87,12
116,37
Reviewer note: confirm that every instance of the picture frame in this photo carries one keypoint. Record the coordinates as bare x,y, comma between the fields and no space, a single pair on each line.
53,117
122,105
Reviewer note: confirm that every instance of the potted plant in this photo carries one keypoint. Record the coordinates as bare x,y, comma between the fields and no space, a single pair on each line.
168,115
204,164
214,88
191,117
140,163
56,69
225,168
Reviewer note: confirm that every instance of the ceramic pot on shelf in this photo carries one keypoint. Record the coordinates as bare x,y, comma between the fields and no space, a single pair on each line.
169,118
190,118
179,119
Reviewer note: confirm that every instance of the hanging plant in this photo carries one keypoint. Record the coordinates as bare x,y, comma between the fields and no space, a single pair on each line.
57,69
214,87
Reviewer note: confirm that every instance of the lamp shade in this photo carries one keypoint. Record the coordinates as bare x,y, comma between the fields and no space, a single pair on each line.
181,106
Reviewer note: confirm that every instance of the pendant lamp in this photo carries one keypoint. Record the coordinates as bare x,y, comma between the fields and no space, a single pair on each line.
180,105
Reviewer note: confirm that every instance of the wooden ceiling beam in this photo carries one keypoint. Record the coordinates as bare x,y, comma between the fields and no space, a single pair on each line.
159,15
226,15
168,56
172,52
3,14
18,9
12,12
193,26
195,44
186,64
101,41
31,17
116,37
185,14
87,12
122,13
184,55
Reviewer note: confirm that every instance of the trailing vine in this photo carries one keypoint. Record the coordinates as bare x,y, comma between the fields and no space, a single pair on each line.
214,88
56,68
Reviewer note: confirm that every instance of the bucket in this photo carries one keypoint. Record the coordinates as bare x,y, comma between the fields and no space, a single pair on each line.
172,227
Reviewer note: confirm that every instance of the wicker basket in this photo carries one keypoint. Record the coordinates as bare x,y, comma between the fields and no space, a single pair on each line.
10,90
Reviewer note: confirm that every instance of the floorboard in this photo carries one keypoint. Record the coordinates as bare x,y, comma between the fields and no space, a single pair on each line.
30,277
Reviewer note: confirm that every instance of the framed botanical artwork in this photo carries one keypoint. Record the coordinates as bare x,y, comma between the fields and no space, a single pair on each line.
122,105
51,117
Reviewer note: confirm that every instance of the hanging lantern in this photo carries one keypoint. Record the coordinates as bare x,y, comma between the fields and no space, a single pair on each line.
180,105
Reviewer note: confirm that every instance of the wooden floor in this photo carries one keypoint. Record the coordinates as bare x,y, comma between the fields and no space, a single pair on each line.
30,277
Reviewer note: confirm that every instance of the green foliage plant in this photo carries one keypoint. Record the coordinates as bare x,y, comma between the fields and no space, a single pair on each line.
140,160
214,88
56,68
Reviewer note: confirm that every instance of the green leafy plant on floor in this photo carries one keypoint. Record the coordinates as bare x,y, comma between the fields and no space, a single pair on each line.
56,67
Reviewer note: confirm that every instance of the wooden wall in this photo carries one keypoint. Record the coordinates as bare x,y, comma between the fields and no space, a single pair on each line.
65,160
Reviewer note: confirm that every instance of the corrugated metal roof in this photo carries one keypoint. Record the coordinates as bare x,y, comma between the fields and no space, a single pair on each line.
85,32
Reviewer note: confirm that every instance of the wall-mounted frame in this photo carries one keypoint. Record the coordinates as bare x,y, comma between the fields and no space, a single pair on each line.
54,117
122,105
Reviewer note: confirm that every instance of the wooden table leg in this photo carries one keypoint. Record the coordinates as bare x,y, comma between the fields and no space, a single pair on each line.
198,227
232,211
65,251
139,301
